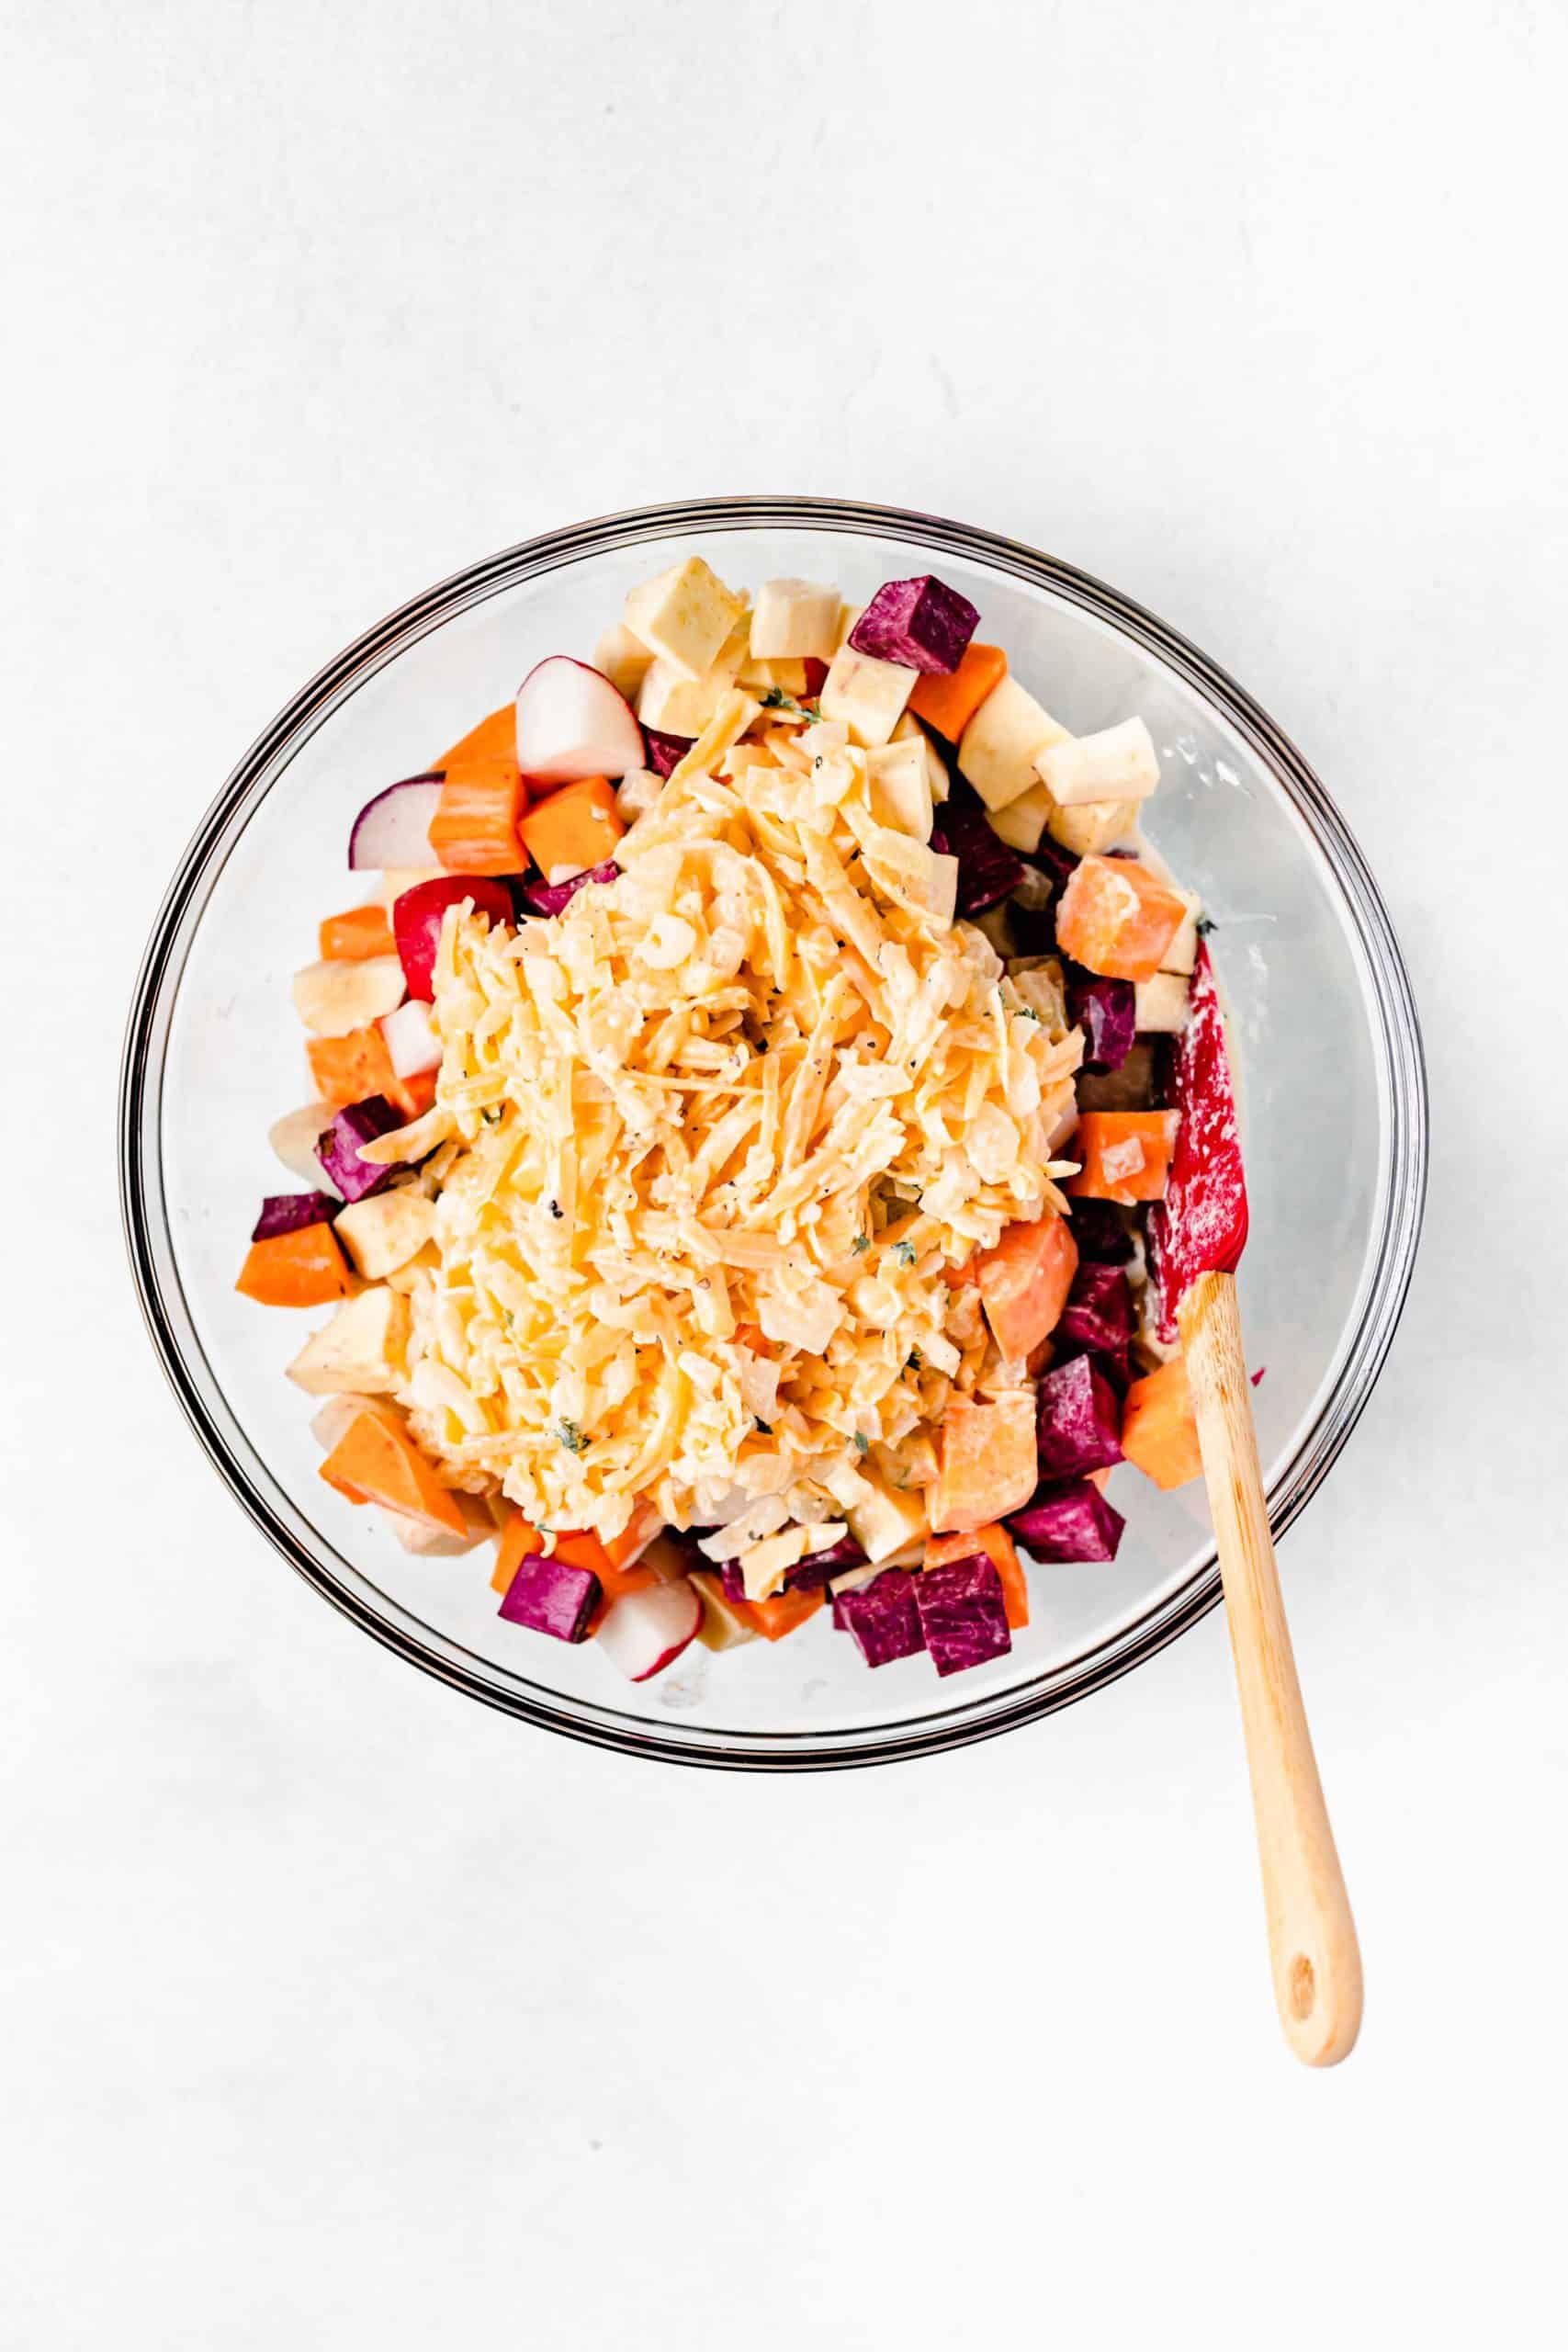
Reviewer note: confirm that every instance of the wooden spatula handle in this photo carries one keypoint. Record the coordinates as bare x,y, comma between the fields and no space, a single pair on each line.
1312,1936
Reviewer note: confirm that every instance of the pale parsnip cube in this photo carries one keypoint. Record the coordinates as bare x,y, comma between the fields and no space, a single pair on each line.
900,787
1161,1003
1022,822
1182,954
1119,764
1003,741
910,729
672,704
384,1232
1096,827
795,621
363,1350
783,677
848,616
868,695
887,1522
684,615
623,659
343,994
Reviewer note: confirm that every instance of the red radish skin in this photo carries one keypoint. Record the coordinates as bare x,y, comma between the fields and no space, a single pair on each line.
571,723
645,1632
392,832
417,918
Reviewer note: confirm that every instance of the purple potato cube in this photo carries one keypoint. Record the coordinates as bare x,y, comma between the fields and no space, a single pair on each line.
338,1149
922,624
665,752
549,1597
987,868
1106,1010
290,1212
963,1613
882,1617
1079,1425
817,1568
1099,1312
1070,1522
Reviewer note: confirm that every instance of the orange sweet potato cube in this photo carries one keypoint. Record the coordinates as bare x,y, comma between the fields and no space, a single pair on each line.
1024,1283
988,1462
1117,918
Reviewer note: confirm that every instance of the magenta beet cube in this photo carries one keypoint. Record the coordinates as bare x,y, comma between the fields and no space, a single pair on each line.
882,1617
290,1212
963,1613
1106,1010
665,752
922,624
987,869
1099,1312
818,1567
1079,1425
549,1597
1102,1232
549,897
1070,1523
338,1149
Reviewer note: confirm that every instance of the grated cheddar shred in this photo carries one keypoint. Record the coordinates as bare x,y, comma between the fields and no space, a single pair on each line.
712,1142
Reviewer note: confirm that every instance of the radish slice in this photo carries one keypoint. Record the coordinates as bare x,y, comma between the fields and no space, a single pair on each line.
411,1040
644,1632
394,828
295,1137
571,723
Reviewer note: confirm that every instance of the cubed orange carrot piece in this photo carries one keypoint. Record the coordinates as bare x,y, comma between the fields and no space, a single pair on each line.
1024,1283
305,1268
615,1564
1001,1550
1159,1429
362,932
780,1614
1117,918
1125,1155
376,1462
474,830
949,702
347,1069
575,828
494,737
988,1464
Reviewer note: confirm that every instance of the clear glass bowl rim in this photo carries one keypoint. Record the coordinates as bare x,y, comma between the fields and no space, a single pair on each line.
1396,1040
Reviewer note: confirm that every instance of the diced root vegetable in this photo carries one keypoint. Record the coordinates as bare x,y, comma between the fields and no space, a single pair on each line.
684,615
987,869
999,746
794,619
724,1627
644,1632
575,829
1125,1156
355,1068
665,752
1088,831
922,624
1003,1553
335,997
1117,918
1129,1087
1159,1429
1099,1314
949,702
549,898
363,1351
1119,764
338,1152
1022,824
394,828
1070,1522
474,830
1079,1426
963,1613
551,1596
1161,1006
301,1268
1101,1233
987,1461
376,1462
1024,1283
864,695
291,1212
623,659
1106,1012
383,1231
899,787
494,737
418,915
571,723
360,932
882,1617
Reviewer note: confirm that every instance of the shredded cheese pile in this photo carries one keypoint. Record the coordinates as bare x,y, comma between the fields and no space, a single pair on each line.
710,1143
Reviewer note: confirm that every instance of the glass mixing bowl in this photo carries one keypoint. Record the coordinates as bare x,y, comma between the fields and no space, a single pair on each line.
1333,1109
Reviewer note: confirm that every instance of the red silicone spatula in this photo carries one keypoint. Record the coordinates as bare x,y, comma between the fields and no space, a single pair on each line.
1199,1232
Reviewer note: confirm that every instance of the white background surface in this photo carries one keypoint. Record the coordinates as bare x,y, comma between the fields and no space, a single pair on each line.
339,2011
